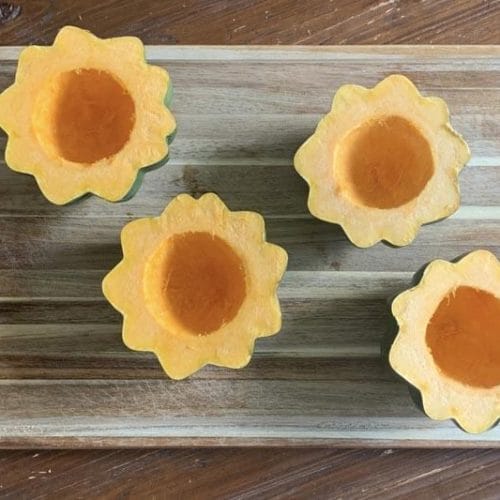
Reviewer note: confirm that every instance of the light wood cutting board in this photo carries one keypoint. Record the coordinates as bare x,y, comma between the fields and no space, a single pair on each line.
67,380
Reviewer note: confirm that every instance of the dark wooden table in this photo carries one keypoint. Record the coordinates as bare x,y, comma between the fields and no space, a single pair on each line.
254,473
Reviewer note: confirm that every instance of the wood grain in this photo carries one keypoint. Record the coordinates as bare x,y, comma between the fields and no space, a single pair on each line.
246,473
247,187
82,244
263,21
67,380
251,474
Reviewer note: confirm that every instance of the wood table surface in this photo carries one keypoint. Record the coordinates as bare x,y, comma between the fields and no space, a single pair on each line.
254,473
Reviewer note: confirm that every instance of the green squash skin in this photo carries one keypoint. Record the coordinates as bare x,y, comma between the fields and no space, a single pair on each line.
140,177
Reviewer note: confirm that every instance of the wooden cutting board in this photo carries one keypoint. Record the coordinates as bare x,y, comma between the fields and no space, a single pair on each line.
67,380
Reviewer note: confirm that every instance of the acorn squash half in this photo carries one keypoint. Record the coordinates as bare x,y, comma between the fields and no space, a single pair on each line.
383,162
448,345
85,114
197,285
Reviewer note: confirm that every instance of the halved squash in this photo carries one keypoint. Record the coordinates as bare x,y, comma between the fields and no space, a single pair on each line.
383,162
85,114
448,345
197,285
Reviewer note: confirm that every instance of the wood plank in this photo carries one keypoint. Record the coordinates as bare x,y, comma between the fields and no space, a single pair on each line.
267,21
242,186
124,365
96,352
333,395
263,136
252,472
330,441
80,349
241,88
347,316
82,244
25,285
242,409
412,53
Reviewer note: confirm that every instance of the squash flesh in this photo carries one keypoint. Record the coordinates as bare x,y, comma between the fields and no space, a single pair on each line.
383,163
203,283
463,336
84,115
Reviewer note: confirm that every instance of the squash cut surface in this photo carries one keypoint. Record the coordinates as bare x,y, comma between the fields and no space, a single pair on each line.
85,115
383,162
448,345
197,285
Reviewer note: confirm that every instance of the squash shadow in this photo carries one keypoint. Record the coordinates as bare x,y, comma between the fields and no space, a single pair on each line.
391,334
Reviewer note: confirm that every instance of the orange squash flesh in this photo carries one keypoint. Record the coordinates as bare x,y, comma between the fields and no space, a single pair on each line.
383,163
204,281
463,336
84,115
